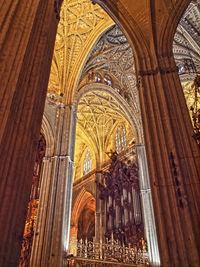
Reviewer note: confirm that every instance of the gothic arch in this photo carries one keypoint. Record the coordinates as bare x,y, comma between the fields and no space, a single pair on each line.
48,134
82,198
170,25
128,25
75,76
163,32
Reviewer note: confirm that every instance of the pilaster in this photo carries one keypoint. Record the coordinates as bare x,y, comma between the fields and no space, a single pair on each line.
147,207
52,234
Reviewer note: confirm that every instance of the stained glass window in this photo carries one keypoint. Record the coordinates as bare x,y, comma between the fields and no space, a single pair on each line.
120,139
97,78
187,66
87,162
181,70
117,90
107,80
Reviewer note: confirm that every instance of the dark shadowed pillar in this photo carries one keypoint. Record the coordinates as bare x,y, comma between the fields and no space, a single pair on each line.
27,36
173,161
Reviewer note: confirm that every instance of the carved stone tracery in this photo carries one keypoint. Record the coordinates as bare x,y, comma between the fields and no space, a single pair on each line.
79,21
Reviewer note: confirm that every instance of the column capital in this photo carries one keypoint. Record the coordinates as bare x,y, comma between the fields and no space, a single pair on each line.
57,100
139,145
47,158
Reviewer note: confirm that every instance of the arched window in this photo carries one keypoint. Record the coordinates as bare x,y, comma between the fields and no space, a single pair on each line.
107,80
97,78
87,162
120,139
187,66
181,69
117,90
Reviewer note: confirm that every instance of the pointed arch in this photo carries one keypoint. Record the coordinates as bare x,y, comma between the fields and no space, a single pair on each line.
80,201
49,137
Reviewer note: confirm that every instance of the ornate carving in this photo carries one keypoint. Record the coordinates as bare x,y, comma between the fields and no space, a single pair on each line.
119,191
186,45
98,113
107,254
78,22
113,55
32,206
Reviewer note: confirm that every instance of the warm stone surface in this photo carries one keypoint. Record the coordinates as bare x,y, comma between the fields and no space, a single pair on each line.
80,24
51,241
28,31
167,127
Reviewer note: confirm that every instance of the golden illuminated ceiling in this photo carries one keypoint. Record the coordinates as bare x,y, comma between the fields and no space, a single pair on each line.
112,55
77,52
98,117
189,92
97,114
80,24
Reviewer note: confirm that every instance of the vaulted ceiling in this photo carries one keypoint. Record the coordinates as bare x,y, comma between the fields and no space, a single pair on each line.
80,25
88,42
98,116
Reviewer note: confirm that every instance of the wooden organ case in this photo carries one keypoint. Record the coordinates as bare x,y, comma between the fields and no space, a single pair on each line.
120,193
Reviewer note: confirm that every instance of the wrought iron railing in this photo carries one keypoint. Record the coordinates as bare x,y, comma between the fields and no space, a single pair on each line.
110,251
81,262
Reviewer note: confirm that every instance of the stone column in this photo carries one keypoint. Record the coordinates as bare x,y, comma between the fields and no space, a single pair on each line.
147,207
52,232
27,36
173,160
44,217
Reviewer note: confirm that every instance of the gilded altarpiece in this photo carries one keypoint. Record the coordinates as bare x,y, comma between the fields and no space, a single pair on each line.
32,209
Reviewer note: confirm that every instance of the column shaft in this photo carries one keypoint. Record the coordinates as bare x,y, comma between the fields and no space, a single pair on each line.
174,164
98,211
53,226
147,207
28,30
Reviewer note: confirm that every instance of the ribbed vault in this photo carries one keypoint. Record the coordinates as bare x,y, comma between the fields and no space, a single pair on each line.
98,117
80,24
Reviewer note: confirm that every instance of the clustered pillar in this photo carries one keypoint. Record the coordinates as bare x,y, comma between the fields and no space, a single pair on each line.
52,234
173,161
27,30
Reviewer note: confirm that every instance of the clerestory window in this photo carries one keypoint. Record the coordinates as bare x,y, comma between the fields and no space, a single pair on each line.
87,162
120,139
